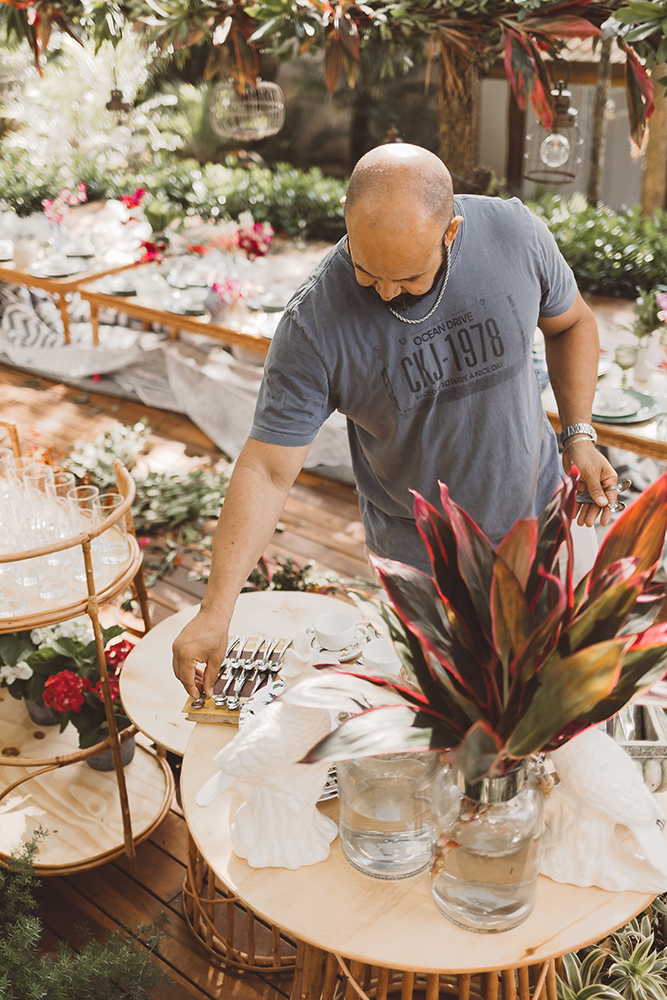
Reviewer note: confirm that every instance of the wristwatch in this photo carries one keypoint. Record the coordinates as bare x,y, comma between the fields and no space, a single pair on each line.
568,432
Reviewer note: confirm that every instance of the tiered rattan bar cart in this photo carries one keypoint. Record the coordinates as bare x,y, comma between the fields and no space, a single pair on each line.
90,817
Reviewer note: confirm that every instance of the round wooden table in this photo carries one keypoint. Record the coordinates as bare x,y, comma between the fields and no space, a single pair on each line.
346,919
153,699
152,696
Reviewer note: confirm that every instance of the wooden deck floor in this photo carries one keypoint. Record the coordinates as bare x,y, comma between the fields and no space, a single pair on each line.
320,522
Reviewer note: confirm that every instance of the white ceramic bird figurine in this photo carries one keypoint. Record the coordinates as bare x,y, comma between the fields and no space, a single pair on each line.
600,790
279,824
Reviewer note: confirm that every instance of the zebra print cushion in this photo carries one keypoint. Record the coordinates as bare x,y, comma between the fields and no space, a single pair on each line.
24,328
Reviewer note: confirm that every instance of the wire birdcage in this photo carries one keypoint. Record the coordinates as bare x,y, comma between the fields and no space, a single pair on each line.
259,112
553,155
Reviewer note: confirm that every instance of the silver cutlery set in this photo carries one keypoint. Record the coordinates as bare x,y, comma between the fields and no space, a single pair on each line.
248,664
618,505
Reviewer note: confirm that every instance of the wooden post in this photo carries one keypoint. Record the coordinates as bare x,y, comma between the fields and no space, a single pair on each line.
599,132
654,180
516,138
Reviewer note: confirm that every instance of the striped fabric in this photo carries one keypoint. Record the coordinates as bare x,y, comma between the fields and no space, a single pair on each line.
23,327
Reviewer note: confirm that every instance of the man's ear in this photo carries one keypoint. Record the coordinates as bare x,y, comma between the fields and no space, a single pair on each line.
453,229
343,200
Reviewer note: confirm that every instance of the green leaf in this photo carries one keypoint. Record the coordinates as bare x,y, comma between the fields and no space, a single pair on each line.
268,28
15,647
566,688
603,619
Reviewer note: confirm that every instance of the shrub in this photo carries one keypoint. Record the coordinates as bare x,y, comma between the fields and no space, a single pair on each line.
610,254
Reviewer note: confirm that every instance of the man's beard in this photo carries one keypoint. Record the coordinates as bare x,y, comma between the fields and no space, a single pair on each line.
405,300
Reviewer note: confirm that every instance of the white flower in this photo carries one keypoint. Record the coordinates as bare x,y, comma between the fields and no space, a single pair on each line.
22,671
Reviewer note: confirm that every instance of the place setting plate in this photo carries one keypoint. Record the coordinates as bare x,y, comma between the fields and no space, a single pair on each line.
647,409
615,403
57,269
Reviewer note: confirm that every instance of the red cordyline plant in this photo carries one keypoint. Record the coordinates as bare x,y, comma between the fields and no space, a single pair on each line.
505,658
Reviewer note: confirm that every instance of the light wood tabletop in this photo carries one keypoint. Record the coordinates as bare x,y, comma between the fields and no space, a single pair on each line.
152,696
391,924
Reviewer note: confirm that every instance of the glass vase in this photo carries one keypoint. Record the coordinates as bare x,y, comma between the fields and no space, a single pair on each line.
485,862
385,812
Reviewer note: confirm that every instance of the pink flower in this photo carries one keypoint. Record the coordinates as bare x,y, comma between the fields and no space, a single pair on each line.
52,211
661,302
97,377
230,290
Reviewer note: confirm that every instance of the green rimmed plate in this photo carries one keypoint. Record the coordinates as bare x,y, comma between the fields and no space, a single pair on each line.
648,409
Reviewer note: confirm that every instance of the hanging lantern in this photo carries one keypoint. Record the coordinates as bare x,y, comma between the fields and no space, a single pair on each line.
116,103
257,113
553,155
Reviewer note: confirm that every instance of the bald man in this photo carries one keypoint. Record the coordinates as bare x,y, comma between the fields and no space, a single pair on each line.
418,326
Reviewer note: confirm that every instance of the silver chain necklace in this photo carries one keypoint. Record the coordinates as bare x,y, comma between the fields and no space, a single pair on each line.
428,315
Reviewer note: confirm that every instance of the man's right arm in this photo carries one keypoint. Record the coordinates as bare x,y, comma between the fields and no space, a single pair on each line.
262,478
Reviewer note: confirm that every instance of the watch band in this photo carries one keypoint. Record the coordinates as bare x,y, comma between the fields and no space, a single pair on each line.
572,429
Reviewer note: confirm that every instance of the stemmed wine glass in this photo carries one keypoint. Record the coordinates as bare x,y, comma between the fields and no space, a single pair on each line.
625,356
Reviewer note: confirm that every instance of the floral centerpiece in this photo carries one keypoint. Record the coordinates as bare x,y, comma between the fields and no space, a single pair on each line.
504,659
58,209
57,666
650,309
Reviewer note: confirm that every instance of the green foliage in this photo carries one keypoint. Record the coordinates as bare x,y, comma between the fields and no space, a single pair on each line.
94,460
115,970
610,254
627,967
647,313
167,501
295,202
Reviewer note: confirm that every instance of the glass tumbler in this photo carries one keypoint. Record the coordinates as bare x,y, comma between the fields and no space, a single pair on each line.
113,542
84,516
385,812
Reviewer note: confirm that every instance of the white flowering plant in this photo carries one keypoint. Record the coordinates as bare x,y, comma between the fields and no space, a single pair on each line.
57,666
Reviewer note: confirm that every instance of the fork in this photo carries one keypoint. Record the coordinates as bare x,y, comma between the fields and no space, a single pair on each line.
234,699
234,666
201,700
264,665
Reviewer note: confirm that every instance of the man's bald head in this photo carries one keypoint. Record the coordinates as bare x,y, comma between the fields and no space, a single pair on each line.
397,181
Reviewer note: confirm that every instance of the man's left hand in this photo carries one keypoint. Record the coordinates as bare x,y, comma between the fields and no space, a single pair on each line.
596,477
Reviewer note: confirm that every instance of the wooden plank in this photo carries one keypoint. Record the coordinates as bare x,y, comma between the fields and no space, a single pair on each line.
68,917
112,891
171,837
157,872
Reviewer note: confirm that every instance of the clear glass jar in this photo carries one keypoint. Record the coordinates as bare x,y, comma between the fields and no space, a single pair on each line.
485,862
385,812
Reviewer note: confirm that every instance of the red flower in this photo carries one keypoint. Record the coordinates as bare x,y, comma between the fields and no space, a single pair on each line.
117,654
63,692
97,378
133,200
113,688
143,540
152,251
200,248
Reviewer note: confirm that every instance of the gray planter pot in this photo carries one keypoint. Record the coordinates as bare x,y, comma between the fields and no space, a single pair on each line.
42,715
104,761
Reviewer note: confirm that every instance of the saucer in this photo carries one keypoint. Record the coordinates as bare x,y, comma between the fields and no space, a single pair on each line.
348,652
615,403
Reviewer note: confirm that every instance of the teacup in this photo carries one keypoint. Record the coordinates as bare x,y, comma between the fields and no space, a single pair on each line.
334,630
380,655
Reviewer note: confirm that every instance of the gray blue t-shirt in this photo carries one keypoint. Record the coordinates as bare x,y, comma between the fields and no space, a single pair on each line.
454,398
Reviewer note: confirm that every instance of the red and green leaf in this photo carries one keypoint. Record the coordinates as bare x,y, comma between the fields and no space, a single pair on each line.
638,532
639,91
519,547
519,67
333,61
477,756
566,689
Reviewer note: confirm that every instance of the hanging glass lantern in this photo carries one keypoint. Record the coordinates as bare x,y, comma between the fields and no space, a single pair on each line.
553,155
258,112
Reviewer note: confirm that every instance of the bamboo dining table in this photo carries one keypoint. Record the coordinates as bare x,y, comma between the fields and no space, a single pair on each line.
60,288
387,936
